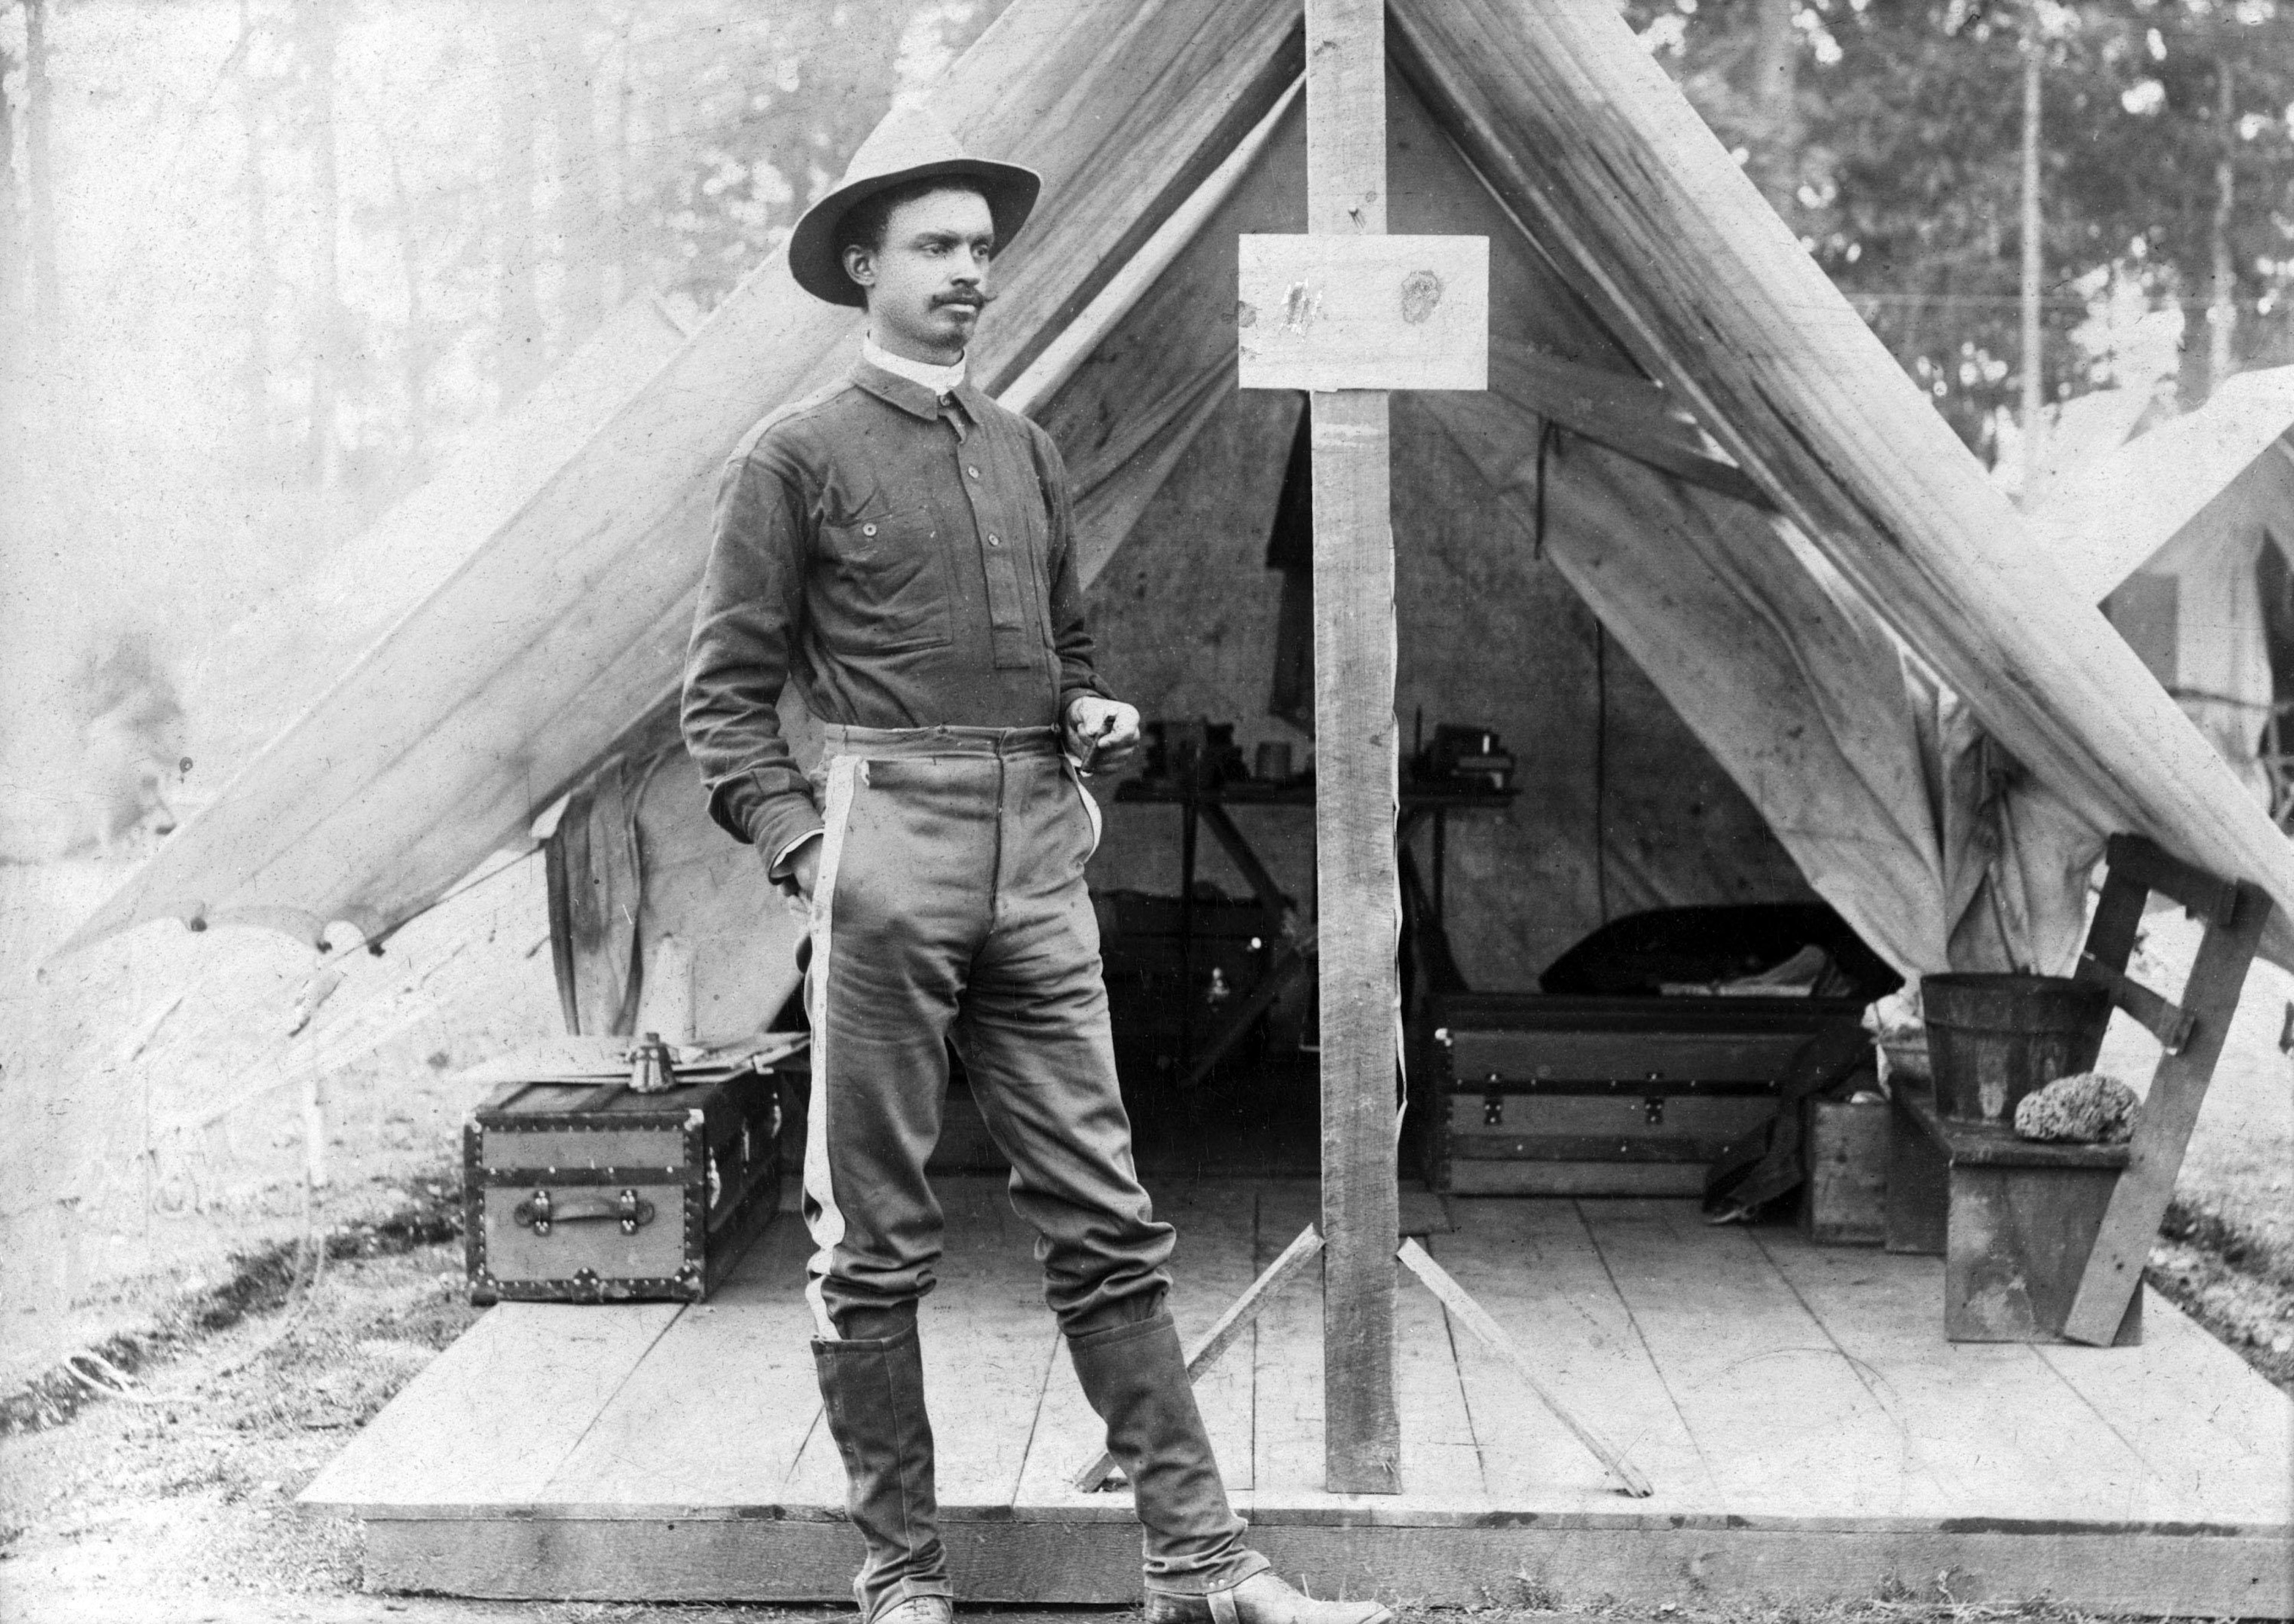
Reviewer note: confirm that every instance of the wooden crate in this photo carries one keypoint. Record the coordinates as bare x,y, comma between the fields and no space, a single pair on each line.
1845,1147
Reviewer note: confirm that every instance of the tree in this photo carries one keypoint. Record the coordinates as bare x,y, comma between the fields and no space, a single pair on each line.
40,174
519,340
328,339
257,279
10,249
1909,184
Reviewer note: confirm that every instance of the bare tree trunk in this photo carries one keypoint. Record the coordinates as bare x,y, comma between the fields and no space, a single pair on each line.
519,338
414,361
40,172
11,315
11,245
255,253
2034,430
1776,98
316,26
573,133
2222,309
629,274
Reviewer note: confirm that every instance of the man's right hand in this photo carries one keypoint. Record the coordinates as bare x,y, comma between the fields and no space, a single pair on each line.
804,868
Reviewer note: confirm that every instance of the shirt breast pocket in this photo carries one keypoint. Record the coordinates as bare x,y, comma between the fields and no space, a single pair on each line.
888,583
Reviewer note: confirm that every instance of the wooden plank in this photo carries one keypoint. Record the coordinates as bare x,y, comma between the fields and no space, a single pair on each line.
1089,1563
1212,1268
1498,1056
2001,1434
1624,412
2208,896
2217,1437
1582,134
1219,1237
1492,1335
2167,1022
989,1346
1358,881
1467,1176
1609,1116
1919,1180
1441,1453
1532,1267
2117,920
2162,1132
1359,895
1246,861
1364,313
1288,1390
1805,1433
2014,1246
490,1418
719,1408
1230,1328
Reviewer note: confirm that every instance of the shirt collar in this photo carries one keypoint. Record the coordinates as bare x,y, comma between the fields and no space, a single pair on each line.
940,380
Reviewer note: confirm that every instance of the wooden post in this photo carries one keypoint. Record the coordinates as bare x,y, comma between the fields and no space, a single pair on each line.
1356,786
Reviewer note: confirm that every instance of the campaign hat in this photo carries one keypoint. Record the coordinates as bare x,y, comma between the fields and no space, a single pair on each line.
909,145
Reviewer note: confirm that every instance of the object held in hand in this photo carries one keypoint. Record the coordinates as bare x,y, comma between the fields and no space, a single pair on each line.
1098,746
652,1071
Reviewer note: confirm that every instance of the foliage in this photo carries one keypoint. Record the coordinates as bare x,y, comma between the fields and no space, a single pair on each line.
1904,172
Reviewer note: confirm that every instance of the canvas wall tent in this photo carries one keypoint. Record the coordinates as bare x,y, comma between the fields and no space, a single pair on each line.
2168,529
1767,518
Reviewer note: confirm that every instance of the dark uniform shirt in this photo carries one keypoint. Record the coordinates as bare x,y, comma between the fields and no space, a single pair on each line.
909,560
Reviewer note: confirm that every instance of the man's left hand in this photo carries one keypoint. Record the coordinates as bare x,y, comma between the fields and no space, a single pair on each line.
1101,734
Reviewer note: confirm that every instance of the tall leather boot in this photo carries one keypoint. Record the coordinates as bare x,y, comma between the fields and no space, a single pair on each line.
1199,1569
872,1390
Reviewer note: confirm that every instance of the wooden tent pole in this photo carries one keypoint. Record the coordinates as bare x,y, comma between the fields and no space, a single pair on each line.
1356,785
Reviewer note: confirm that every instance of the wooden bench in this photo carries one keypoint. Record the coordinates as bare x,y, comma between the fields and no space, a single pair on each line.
2046,1242
2014,1220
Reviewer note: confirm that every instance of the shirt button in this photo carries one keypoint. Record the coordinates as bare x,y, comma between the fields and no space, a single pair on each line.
992,542
867,530
974,472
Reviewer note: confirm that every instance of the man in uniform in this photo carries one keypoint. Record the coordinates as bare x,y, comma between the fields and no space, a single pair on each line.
900,543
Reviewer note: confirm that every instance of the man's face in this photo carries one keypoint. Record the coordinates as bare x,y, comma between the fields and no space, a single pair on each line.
928,282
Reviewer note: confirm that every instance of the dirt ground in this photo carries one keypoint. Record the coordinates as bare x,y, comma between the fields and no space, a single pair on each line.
170,1377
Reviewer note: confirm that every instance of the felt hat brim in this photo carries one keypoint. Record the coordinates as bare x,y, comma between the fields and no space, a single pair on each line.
814,257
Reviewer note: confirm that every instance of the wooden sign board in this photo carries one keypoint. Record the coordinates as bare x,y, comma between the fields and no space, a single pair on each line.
1329,312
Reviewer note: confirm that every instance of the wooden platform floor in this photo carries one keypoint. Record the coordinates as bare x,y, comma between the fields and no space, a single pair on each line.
1809,1432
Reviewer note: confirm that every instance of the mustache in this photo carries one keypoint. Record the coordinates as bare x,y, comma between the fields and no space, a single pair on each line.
978,298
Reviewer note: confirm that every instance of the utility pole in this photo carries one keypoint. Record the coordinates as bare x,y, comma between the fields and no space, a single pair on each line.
2034,430
2221,307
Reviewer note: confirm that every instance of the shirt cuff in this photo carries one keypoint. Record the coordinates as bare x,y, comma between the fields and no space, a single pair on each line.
779,867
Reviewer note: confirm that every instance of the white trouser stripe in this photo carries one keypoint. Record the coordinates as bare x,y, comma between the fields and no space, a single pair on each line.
1090,807
822,1216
